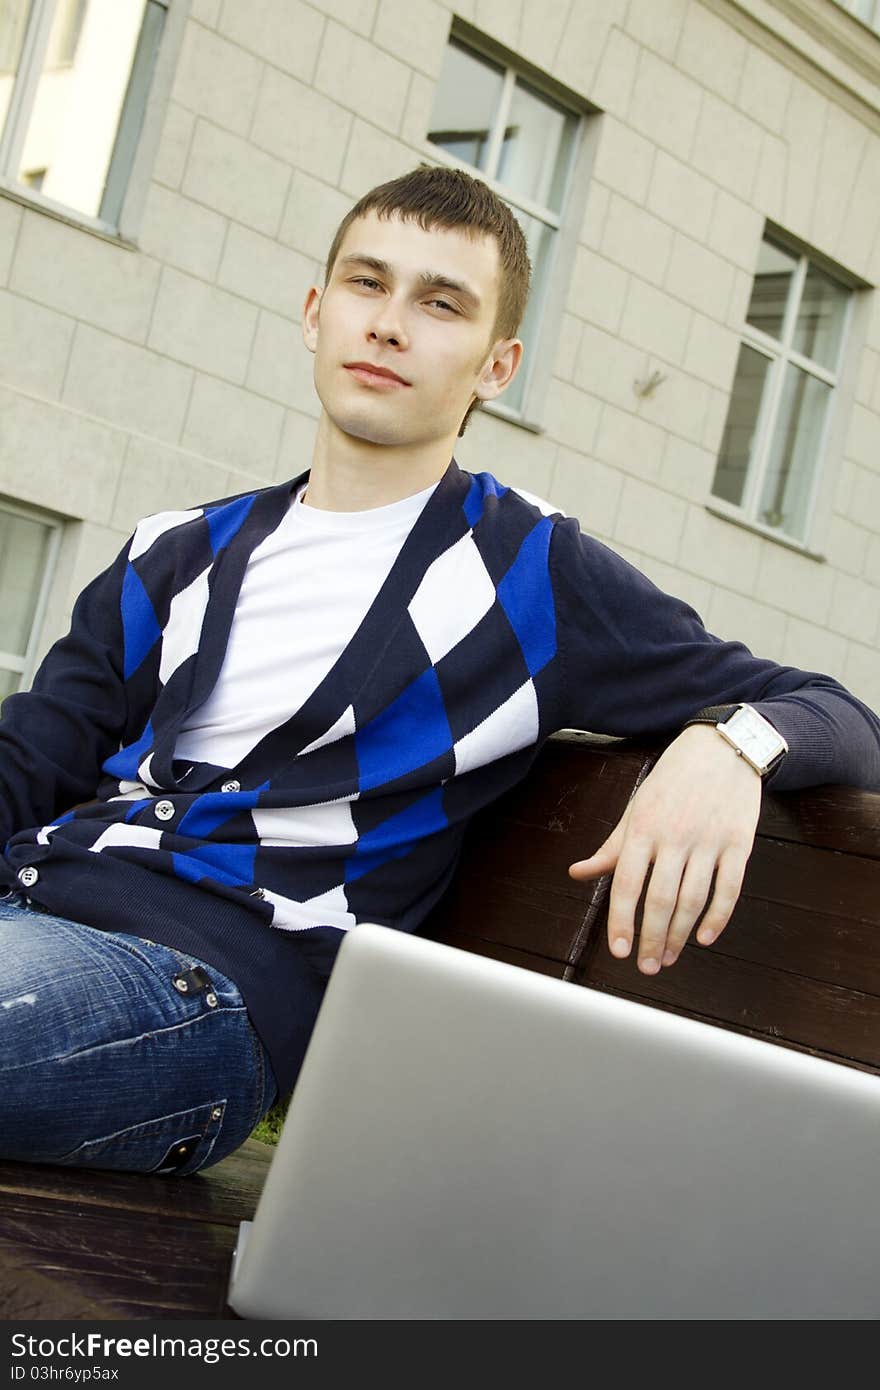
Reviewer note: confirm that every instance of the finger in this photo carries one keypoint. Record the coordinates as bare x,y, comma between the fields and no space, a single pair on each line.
693,893
605,857
728,883
626,889
660,901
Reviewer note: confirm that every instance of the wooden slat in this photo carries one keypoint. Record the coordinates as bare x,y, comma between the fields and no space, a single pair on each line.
129,1264
838,818
839,1023
495,951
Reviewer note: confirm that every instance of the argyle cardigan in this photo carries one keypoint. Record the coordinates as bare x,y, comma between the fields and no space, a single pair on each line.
499,623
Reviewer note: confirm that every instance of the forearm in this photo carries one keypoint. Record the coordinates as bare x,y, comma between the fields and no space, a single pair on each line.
832,738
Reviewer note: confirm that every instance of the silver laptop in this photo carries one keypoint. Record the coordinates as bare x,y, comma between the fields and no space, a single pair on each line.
468,1140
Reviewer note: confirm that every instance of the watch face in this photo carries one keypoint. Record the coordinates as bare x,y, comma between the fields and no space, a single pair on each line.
756,737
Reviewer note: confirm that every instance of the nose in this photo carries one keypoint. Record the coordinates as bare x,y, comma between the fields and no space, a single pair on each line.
387,323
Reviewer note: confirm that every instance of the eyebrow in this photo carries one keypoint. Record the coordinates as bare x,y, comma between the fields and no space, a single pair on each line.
429,279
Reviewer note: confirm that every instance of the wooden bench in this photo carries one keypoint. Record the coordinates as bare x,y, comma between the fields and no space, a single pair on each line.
799,964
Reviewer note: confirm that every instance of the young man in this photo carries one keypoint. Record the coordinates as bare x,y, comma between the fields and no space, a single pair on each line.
274,715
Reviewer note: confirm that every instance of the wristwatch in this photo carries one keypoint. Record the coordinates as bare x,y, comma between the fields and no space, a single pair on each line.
748,732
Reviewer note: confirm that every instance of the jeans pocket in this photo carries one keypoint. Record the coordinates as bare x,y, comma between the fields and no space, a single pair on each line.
172,1145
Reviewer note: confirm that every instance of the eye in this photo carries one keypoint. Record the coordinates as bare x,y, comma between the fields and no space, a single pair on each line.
365,280
444,305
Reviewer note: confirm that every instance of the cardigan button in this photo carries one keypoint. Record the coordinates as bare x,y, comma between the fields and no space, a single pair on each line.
231,786
28,876
163,810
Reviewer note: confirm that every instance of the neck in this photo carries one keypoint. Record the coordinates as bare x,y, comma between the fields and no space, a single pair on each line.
354,475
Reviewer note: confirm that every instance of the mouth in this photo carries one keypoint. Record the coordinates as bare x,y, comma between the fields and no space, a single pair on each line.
375,376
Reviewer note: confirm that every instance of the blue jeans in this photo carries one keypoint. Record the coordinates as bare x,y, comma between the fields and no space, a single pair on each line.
106,1062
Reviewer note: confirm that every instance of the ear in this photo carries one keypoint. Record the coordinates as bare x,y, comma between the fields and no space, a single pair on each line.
310,318
499,370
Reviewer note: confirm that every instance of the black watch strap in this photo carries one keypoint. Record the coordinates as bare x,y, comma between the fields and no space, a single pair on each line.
712,714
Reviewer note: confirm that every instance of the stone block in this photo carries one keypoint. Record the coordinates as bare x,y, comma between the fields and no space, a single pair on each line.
311,216
414,31
717,550
681,196
259,269
587,33
626,441
372,158
205,11
814,648
416,120
236,179
865,496
34,345
567,344
182,233
608,368
700,277
858,240
839,173
796,583
109,286
687,469
598,290
203,326
156,478
52,456
10,221
541,28
736,618
665,105
636,240
284,32
712,51
727,146
359,15
593,224
803,130
736,231
765,88
300,125
174,143
712,351
650,519
872,561
855,608
624,159
357,75
612,85
571,416
217,79
846,547
657,27
276,353
861,673
679,404
127,385
863,439
588,489
655,321
768,194
228,425
297,444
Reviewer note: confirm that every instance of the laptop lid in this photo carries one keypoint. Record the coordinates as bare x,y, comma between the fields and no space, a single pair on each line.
468,1139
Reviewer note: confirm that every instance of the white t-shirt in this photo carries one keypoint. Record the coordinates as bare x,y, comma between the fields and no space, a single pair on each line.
307,588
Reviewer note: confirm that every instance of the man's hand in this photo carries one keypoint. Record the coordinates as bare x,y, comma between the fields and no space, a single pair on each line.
694,815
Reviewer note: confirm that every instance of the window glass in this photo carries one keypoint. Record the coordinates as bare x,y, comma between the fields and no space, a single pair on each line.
539,239
740,432
794,451
771,288
468,93
76,111
819,327
536,148
24,549
13,26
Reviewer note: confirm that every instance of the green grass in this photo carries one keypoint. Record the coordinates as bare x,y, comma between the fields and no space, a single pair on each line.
268,1131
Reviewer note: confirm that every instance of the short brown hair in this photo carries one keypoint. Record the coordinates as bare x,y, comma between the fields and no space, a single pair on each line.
450,198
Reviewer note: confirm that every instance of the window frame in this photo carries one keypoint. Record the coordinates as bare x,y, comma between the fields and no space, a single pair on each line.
781,354
26,664
537,364
131,199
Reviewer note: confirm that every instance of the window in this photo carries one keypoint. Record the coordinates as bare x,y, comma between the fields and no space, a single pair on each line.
488,118
28,545
74,77
787,370
868,11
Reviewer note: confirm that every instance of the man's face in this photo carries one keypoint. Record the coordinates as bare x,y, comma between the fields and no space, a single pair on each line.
420,304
